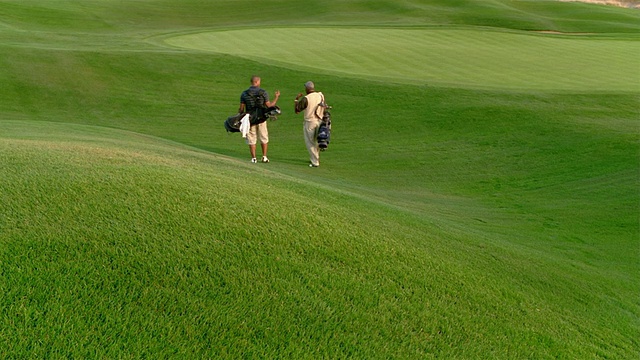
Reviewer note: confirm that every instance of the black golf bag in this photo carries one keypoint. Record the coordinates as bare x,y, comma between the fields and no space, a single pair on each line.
324,130
232,124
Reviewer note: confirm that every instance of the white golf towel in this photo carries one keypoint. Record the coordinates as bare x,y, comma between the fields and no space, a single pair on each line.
244,125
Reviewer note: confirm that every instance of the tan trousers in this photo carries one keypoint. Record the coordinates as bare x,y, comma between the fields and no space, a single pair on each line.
256,132
311,140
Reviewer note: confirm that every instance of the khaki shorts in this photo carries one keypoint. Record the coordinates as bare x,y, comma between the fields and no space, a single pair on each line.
258,131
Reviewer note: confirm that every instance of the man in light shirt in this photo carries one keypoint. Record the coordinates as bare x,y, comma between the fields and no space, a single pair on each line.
312,105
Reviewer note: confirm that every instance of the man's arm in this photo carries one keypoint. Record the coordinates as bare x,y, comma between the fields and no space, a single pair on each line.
301,104
273,103
243,106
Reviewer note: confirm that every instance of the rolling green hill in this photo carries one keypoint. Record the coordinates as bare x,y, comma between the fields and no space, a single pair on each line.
479,198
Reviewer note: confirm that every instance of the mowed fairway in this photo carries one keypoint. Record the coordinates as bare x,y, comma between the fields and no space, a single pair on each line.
445,57
479,199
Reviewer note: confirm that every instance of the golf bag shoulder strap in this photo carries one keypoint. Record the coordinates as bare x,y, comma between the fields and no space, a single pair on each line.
321,104
255,98
259,106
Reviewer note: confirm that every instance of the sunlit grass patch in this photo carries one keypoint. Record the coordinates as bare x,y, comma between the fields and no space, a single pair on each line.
473,58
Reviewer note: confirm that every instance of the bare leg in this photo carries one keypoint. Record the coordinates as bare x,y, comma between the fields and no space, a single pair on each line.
264,149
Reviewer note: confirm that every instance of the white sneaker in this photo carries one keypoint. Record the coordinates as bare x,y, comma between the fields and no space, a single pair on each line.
253,160
265,159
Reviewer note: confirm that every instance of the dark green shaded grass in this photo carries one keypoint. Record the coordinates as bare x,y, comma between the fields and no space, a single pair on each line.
114,16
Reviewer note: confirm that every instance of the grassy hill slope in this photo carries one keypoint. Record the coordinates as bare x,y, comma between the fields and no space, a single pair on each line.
444,222
178,252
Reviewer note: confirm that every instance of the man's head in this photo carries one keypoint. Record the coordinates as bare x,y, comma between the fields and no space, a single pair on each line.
309,87
255,80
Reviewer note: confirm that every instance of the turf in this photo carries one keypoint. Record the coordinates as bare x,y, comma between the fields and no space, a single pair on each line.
440,57
479,203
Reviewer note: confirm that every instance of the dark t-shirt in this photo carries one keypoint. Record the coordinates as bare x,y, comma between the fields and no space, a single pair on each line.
254,100
254,97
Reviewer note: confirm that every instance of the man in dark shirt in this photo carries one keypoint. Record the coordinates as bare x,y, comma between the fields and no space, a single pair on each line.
252,101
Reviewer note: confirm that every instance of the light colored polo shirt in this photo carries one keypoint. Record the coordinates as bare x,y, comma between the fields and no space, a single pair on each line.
310,113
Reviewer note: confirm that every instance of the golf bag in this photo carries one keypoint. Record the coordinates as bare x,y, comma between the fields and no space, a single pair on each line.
232,124
271,113
324,130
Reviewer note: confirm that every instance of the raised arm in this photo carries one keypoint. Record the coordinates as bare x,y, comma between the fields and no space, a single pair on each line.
273,103
301,103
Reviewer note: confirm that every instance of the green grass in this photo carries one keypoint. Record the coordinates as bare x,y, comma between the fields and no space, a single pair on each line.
441,57
459,212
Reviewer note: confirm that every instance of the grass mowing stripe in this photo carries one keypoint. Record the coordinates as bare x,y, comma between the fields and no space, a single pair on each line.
462,57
